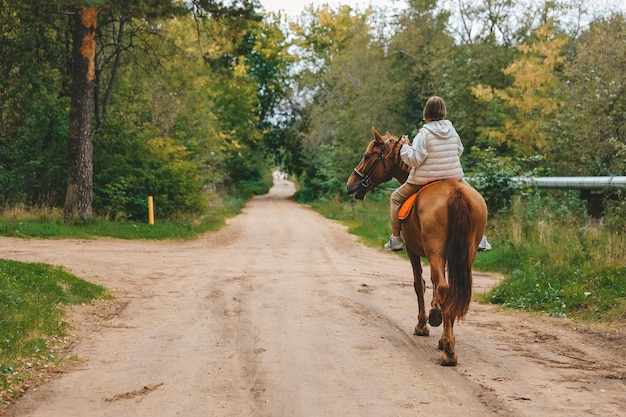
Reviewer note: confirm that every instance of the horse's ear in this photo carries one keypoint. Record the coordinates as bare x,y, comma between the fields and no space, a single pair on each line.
376,135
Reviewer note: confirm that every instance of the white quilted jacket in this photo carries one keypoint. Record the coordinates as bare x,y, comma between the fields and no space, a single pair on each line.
435,153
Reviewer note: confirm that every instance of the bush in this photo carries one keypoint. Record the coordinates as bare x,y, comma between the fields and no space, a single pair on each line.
492,177
131,165
555,261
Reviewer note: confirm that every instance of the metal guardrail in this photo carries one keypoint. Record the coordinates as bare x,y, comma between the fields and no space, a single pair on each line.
592,189
573,183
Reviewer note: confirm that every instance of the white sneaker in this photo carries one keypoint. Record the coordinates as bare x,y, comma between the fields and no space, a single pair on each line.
395,243
484,245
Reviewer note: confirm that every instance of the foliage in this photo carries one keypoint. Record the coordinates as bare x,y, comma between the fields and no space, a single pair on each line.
342,83
239,92
182,109
33,103
531,98
615,212
507,87
353,88
493,180
594,118
499,178
557,263
418,60
168,177
470,116
32,323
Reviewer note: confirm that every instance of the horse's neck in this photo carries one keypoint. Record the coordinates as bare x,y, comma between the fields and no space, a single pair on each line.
400,170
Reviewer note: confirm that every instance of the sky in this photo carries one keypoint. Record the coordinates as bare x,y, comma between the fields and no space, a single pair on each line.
294,7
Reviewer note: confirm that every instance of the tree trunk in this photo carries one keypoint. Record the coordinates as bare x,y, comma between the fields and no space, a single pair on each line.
116,64
78,199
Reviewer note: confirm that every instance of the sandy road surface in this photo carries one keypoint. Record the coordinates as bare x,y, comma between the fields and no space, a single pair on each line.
282,313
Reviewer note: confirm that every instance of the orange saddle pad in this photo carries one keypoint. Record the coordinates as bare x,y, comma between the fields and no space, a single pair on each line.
406,207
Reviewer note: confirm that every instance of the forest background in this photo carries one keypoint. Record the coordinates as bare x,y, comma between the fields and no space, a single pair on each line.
196,98
196,102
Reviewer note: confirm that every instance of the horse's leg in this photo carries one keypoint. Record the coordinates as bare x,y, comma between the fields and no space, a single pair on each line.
440,289
421,329
446,343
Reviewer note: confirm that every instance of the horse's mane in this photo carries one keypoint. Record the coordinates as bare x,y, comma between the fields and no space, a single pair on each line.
397,145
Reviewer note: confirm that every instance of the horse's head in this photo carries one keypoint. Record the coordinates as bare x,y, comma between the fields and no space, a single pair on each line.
373,169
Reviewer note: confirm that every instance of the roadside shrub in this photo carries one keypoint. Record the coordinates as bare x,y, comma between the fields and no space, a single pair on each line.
615,212
130,165
492,177
554,260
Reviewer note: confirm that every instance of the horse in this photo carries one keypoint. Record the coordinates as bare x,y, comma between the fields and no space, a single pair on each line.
445,226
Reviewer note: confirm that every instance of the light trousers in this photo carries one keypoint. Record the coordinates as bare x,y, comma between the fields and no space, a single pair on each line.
398,197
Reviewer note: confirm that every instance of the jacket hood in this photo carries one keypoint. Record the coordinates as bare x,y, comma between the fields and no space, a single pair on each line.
442,129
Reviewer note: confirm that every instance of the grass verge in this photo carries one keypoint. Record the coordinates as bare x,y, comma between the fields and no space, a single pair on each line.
32,326
49,224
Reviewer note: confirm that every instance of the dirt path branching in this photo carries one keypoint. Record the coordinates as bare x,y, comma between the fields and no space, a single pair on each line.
283,313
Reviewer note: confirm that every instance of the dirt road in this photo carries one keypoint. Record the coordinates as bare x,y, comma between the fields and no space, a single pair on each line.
283,313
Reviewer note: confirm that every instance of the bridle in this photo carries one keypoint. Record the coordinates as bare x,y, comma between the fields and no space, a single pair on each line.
365,177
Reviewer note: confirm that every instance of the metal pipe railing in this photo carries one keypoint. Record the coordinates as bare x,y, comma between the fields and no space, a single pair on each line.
573,183
592,189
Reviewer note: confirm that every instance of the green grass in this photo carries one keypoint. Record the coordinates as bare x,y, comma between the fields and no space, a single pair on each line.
556,262
552,261
49,224
32,326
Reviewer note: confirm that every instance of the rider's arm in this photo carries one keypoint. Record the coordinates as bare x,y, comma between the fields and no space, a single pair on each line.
414,155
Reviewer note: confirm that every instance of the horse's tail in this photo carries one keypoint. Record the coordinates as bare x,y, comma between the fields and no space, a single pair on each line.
458,253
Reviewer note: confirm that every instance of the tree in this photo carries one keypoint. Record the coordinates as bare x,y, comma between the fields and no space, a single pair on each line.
532,98
34,98
78,199
591,130
346,90
418,53
78,203
198,88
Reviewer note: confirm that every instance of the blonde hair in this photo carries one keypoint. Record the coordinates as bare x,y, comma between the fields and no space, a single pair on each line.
435,109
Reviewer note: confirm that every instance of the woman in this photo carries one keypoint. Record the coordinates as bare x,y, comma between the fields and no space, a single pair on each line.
434,155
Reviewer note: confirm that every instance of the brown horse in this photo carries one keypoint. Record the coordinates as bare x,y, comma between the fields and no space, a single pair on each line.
445,226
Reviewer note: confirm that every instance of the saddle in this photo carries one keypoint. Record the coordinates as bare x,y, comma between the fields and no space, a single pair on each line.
407,206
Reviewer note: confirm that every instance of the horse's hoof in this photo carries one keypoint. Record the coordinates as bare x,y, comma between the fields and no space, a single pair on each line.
421,331
448,358
435,318
448,362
